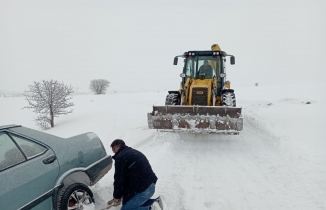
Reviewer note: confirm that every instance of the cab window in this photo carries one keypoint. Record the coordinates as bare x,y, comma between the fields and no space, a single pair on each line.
208,66
191,67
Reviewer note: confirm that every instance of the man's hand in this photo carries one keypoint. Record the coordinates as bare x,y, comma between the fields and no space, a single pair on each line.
114,202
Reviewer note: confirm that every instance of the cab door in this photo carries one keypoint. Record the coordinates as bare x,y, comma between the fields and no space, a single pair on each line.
28,171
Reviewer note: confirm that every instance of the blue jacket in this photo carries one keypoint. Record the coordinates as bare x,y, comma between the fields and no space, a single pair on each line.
133,173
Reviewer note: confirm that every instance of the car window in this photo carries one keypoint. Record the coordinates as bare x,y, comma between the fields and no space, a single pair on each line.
30,148
9,153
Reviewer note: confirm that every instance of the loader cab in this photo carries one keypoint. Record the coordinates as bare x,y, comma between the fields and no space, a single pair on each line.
193,60
196,61
203,65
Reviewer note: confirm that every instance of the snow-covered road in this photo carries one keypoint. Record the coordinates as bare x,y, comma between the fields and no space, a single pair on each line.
277,162
230,172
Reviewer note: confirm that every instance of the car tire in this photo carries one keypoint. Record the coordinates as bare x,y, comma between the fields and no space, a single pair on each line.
75,195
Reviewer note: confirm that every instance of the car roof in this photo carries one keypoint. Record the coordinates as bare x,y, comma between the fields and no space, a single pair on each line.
9,126
40,136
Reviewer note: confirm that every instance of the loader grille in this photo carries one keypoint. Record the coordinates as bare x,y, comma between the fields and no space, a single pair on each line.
199,96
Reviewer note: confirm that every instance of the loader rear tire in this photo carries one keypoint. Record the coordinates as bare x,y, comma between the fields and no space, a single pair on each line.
172,99
228,99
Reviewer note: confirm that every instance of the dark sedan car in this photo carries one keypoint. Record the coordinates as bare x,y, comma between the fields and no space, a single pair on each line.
40,171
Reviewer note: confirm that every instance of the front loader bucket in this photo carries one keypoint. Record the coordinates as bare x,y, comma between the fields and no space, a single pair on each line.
196,119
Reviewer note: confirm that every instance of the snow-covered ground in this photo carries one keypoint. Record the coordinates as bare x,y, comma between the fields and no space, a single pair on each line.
277,162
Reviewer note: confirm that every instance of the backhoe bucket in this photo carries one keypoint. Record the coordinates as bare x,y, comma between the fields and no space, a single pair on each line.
196,119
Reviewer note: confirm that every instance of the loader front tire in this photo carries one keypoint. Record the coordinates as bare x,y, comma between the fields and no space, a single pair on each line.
172,99
228,99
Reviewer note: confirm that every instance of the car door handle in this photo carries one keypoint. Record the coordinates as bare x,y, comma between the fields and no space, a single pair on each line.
50,159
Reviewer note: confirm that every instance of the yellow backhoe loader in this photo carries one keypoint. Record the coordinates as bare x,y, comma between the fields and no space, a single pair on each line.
205,102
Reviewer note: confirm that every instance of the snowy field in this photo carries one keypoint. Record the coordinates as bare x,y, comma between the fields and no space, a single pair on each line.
277,162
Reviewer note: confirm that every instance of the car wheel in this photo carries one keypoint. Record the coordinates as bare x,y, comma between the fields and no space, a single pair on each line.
75,197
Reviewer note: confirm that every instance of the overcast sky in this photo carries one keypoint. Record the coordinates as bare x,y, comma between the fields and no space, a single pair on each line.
132,43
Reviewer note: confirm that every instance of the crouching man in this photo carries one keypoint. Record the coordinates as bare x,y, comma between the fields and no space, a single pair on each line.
134,179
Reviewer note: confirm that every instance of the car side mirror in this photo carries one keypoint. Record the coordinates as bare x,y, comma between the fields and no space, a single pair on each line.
175,61
232,60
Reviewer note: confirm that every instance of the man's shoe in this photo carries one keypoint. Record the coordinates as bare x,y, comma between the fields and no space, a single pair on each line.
155,206
159,201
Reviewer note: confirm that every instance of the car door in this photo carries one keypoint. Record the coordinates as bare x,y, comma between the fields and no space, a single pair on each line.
28,171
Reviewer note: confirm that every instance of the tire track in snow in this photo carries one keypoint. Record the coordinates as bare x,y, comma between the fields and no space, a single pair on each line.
230,172
168,163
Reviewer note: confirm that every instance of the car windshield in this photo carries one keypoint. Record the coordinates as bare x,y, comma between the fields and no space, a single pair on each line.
203,67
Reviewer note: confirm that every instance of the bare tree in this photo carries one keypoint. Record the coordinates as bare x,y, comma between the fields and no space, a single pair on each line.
49,99
99,86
